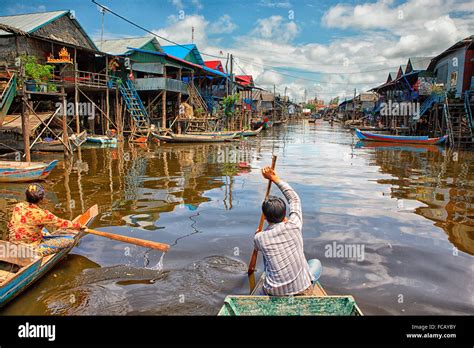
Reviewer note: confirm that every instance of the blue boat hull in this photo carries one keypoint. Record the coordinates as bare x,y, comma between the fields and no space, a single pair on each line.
29,274
26,174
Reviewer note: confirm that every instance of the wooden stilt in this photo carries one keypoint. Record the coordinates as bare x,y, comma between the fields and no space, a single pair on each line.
64,115
163,104
76,94
107,101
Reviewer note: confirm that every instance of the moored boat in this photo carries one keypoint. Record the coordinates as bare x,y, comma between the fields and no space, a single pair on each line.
11,171
251,133
75,141
21,266
400,138
190,138
319,303
101,139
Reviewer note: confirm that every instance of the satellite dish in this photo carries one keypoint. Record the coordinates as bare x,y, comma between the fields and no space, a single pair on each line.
72,14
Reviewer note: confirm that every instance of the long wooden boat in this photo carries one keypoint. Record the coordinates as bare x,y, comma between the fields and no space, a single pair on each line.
21,266
371,128
319,303
251,133
188,138
224,134
11,171
420,148
401,139
101,139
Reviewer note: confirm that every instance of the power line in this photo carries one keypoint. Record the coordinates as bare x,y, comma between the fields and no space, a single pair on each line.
106,9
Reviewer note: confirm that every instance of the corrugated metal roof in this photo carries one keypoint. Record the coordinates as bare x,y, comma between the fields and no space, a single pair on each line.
182,51
418,63
30,22
122,46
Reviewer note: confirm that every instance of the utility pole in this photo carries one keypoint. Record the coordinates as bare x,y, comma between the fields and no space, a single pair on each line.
353,104
274,103
227,79
231,74
192,34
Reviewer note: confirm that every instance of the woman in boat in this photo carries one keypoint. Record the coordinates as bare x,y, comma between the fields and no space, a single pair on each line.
286,270
28,220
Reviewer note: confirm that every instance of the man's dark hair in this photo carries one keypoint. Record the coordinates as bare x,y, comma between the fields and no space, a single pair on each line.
274,209
34,193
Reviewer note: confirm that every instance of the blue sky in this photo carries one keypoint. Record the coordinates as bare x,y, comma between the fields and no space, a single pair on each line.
153,14
323,47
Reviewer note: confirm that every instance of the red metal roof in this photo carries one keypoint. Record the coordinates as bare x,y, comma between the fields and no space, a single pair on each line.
244,80
214,64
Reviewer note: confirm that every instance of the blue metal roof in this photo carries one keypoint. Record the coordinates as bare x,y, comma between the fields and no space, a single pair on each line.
182,51
166,54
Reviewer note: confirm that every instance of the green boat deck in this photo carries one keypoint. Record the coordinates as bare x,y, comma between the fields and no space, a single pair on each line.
290,305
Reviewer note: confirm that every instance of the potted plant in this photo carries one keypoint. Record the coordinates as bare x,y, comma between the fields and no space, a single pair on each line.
37,75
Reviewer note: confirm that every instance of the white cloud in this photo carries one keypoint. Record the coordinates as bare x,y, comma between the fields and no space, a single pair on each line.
177,3
275,27
373,46
197,4
224,25
20,9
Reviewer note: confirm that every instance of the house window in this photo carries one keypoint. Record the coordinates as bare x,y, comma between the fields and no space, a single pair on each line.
442,74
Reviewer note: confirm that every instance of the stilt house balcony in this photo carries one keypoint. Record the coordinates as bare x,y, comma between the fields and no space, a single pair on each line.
160,83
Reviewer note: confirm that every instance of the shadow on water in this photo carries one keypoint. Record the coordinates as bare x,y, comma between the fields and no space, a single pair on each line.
411,209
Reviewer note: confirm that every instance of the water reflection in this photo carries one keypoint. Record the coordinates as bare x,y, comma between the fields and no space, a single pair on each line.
409,206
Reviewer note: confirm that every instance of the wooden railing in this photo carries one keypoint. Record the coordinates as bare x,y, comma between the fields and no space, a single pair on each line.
85,78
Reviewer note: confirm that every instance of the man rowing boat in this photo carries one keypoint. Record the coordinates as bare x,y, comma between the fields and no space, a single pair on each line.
281,243
28,220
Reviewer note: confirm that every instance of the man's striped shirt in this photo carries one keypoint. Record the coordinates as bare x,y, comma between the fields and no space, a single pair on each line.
286,268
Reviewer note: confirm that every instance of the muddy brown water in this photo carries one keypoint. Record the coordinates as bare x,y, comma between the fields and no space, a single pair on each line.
392,225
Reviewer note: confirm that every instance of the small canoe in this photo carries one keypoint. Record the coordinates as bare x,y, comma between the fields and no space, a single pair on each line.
251,133
319,303
11,171
401,139
21,266
101,139
188,138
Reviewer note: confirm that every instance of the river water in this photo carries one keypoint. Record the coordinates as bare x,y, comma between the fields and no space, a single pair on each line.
392,226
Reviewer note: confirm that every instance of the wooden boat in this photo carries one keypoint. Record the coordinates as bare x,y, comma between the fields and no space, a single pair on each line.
21,266
230,134
400,138
75,141
420,148
101,139
251,133
370,128
11,171
319,303
188,138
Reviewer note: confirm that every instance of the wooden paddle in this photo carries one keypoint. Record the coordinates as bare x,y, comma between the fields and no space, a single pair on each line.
130,240
253,260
